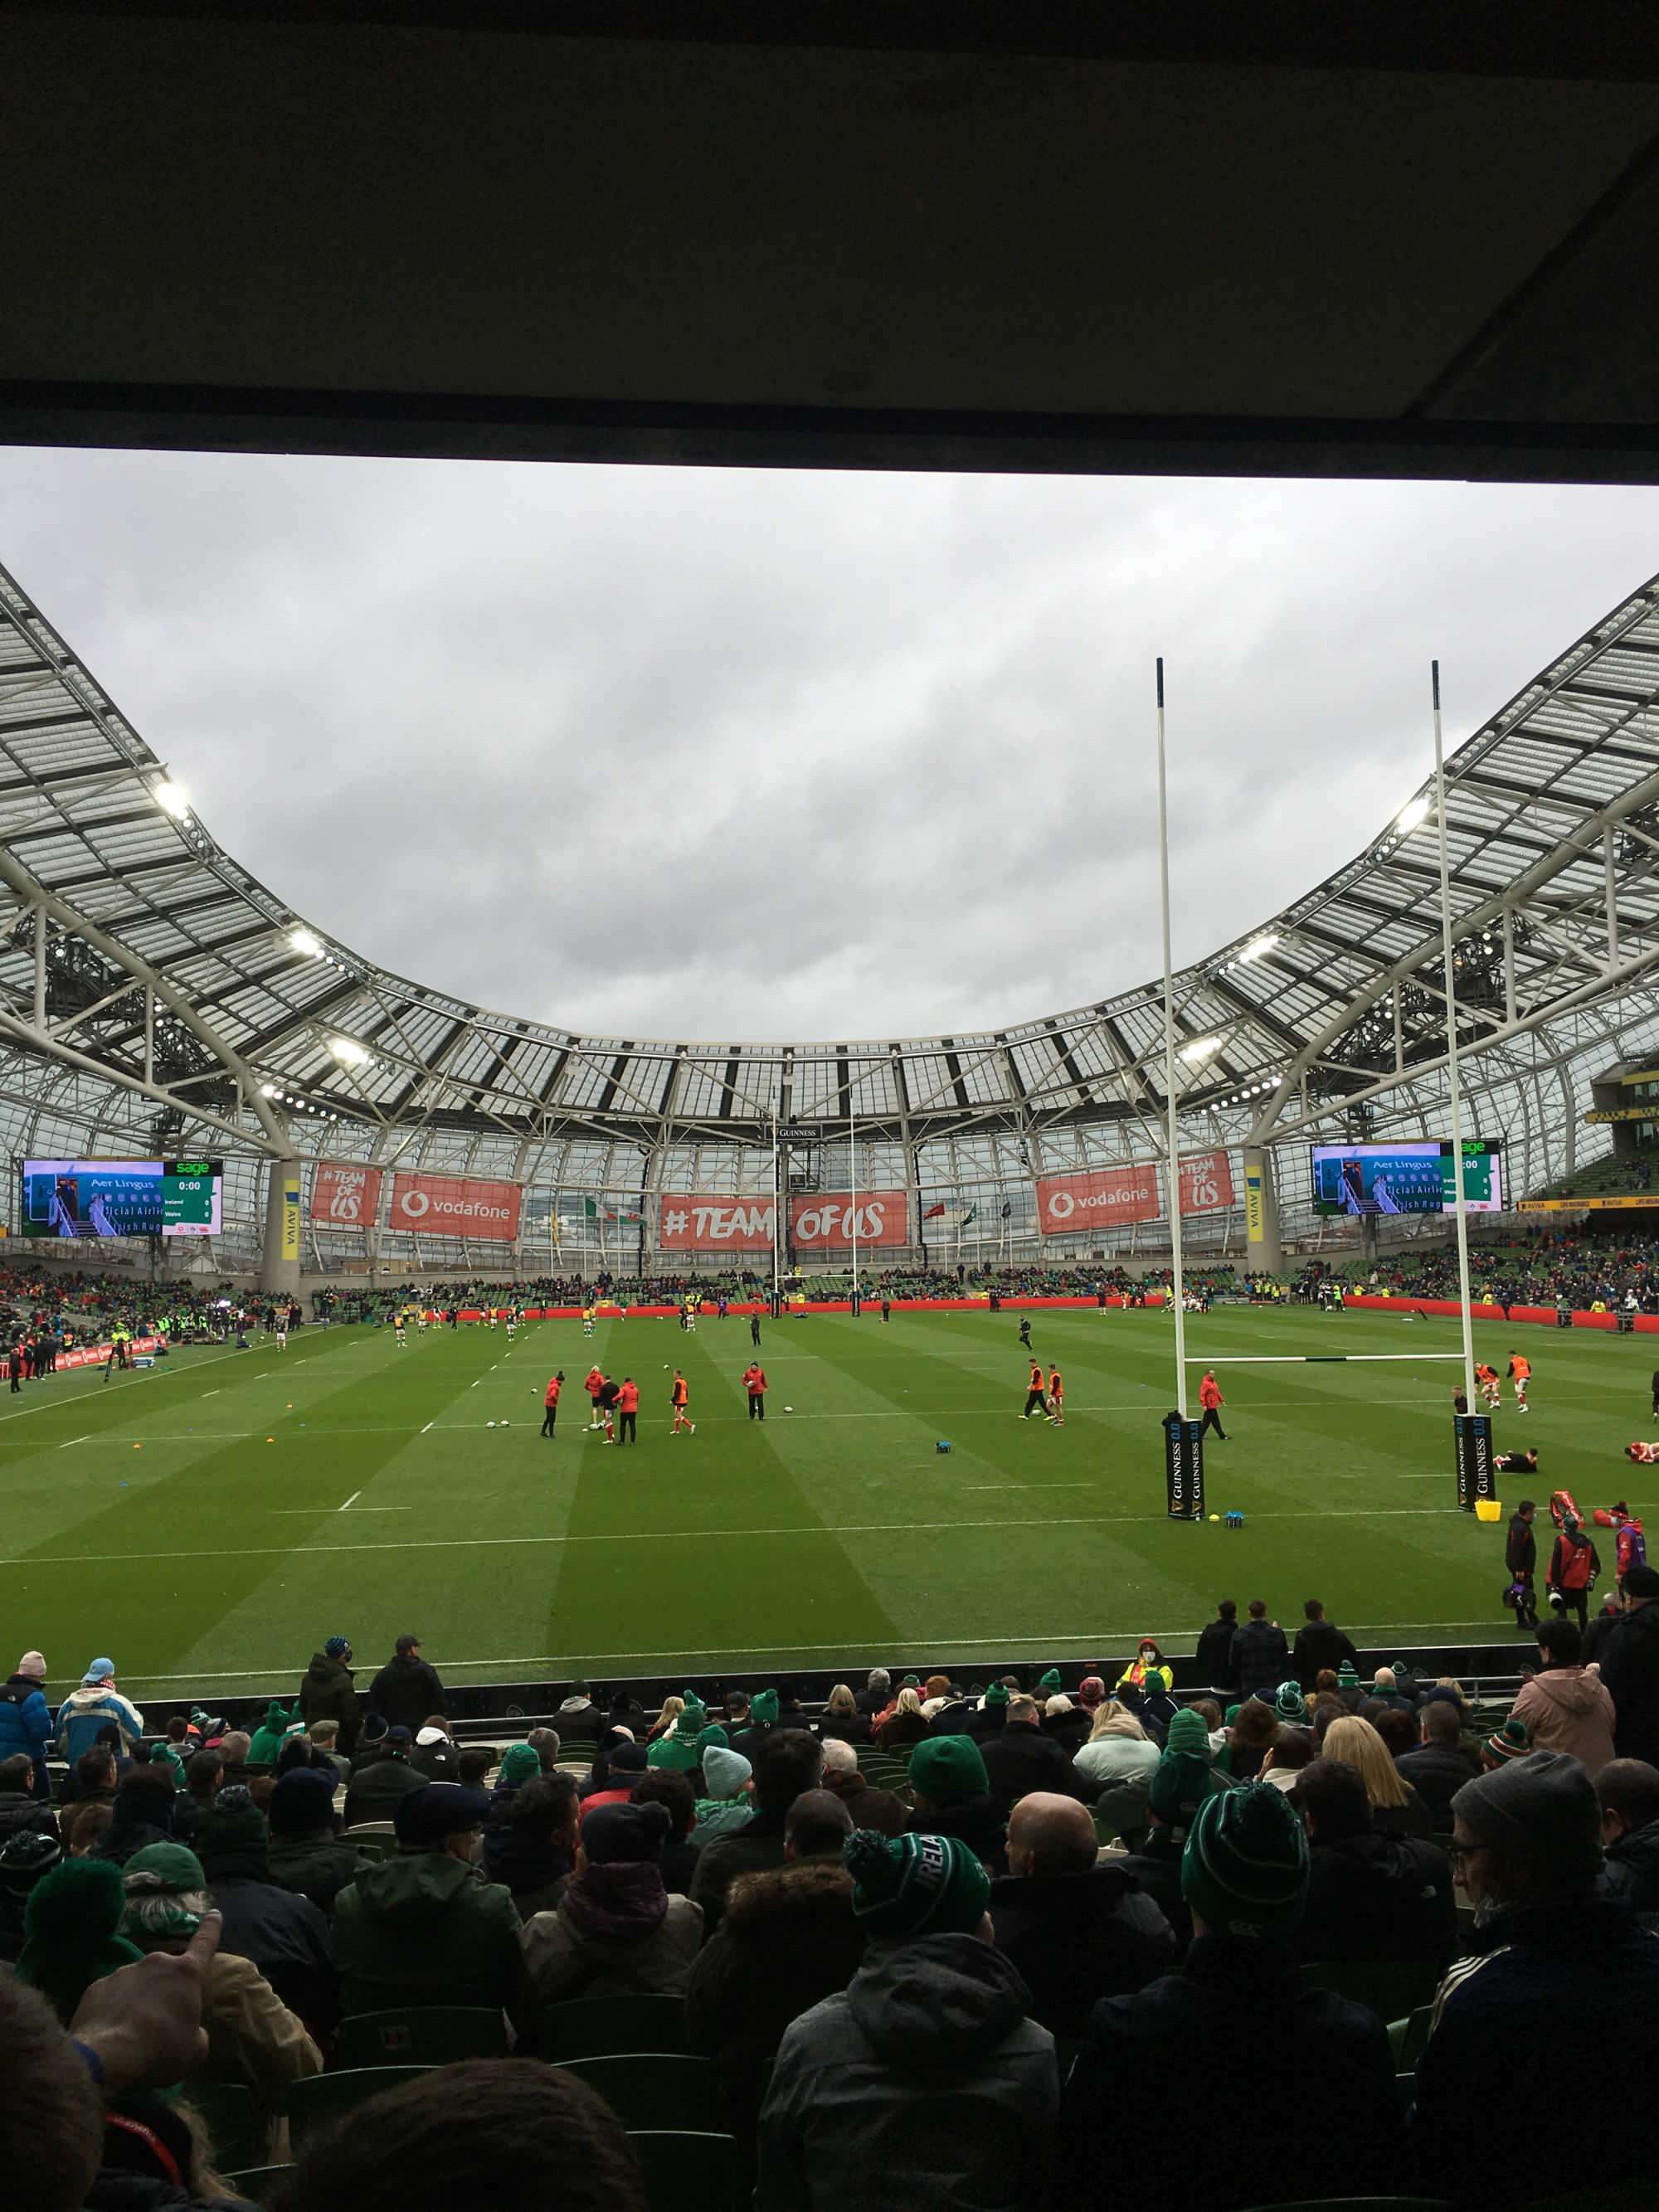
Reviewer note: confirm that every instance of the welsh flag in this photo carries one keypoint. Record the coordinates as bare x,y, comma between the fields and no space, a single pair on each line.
953,1216
593,1210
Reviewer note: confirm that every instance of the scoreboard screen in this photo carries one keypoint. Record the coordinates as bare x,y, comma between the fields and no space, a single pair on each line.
122,1197
1407,1178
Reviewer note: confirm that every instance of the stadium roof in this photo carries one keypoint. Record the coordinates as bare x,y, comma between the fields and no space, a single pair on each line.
146,970
1371,239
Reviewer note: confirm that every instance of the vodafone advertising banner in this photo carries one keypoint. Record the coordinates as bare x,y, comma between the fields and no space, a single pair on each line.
344,1196
1207,1181
690,1223
456,1205
825,1223
1073,1205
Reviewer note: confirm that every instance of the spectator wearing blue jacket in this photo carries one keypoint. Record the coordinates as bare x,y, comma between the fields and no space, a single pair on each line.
96,1705
26,1717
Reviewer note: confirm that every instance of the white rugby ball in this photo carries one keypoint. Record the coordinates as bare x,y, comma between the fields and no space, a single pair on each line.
788,1409
489,1424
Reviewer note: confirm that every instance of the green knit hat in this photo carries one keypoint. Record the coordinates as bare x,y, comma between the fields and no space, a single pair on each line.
70,1928
996,1694
948,1770
1509,1741
1050,1681
1346,1677
763,1708
276,1714
1181,1782
911,1683
712,1738
1245,1870
692,1721
909,1886
521,1763
1188,1733
167,1894
1290,1705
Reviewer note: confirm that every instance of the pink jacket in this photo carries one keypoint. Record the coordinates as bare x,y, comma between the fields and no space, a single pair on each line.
1567,1708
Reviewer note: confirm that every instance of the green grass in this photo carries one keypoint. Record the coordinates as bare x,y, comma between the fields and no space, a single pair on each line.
150,1518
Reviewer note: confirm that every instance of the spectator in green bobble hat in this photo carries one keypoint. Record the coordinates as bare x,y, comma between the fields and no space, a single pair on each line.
677,1750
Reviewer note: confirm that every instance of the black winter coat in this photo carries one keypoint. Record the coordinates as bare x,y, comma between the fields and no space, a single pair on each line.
318,1865
788,1940
1319,1645
1236,2015
1021,1759
375,1791
1378,1897
1075,1938
1521,1548
329,1693
285,1937
1261,1657
976,1822
1437,1772
406,1692
1214,1663
1156,1867
1630,1670
1632,1870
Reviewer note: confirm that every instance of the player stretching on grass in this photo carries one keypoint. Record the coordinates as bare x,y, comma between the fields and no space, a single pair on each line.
1520,1375
550,1416
1486,1381
1056,1399
1035,1399
679,1398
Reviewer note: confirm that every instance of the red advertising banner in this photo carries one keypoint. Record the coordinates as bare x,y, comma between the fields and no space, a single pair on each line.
1073,1205
824,1223
1207,1181
456,1205
343,1196
691,1222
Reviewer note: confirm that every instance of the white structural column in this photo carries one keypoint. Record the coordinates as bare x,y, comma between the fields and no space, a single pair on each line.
279,1254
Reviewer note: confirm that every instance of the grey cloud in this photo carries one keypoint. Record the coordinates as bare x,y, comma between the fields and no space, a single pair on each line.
747,756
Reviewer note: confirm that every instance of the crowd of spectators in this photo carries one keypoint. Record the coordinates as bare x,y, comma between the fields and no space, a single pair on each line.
945,1943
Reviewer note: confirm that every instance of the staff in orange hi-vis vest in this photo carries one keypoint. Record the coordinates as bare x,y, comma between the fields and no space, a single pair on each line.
1056,1397
1037,1400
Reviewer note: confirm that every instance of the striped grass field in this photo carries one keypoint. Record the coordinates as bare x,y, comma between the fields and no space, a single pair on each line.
216,1518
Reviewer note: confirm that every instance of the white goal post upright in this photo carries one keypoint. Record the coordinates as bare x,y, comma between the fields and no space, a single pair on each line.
1460,1211
853,1181
1172,1169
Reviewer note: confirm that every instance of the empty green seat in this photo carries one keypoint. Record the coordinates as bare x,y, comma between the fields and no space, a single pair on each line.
652,2090
421,2035
604,2027
329,2097
689,2172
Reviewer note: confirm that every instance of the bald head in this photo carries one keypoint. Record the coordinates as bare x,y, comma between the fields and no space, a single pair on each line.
1049,1834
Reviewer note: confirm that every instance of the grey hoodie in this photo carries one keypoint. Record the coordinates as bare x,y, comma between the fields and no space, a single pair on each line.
924,2081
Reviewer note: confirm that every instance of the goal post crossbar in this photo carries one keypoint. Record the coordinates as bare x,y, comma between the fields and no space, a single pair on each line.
1313,1359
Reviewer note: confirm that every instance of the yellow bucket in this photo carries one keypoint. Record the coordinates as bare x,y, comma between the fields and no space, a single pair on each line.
1488,1509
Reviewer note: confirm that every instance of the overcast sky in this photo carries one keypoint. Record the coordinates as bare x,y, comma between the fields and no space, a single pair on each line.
750,755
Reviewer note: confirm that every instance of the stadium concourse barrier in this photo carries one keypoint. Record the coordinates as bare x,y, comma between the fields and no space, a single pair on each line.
605,1312
1545,1317
94,1355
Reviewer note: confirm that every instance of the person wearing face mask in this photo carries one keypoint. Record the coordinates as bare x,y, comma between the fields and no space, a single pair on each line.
1147,1669
1555,1967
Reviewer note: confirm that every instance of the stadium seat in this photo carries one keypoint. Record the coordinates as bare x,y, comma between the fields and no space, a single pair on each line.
1407,2038
686,2171
651,2089
421,2035
328,2097
258,2183
234,2122
608,2027
1393,1988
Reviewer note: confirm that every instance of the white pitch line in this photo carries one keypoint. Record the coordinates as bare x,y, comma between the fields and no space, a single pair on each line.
74,1440
710,1535
213,1392
430,1424
350,1501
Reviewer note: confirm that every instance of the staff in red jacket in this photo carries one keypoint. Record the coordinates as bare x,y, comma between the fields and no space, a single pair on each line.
551,1417
754,1382
1574,1565
628,1411
1209,1397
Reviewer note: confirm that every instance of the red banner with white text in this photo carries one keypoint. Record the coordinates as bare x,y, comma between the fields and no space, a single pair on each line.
1073,1205
690,1221
1206,1183
343,1196
456,1205
825,1223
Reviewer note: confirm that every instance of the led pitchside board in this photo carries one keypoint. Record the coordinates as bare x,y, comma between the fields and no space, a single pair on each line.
1370,1180
122,1197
